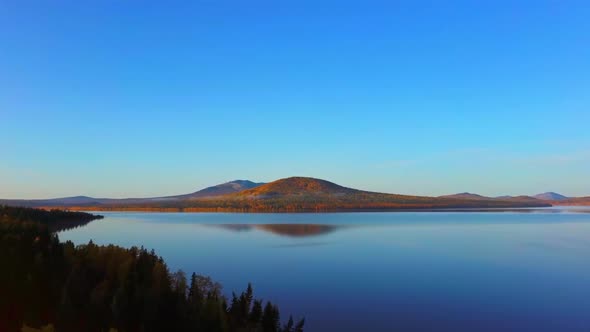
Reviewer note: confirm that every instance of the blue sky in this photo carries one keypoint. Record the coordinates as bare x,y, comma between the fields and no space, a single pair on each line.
130,98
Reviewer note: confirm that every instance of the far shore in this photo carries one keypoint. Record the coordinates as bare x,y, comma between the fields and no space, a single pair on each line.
225,210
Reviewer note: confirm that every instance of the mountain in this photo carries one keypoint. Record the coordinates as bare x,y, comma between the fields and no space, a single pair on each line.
63,201
470,196
465,196
296,186
221,189
294,194
85,201
310,194
550,196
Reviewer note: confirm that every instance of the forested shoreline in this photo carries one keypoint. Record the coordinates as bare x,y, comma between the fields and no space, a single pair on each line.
47,285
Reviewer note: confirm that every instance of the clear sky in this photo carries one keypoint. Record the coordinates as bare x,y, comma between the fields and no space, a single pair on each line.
137,98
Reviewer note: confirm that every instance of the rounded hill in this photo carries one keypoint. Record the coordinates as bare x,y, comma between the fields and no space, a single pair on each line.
297,186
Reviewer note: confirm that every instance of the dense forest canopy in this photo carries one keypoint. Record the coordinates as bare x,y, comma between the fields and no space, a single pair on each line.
47,285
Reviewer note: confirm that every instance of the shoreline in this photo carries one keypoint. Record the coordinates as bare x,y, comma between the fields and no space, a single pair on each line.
522,209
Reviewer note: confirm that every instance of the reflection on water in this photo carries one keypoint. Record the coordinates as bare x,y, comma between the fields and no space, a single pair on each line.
292,230
301,244
521,270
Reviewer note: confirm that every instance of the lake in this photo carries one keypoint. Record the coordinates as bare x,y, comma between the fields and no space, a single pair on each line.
513,270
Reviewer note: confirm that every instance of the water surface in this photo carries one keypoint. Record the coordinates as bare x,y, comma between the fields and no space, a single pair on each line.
506,270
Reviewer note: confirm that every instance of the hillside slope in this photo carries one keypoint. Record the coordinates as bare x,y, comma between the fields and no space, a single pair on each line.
85,201
221,189
295,186
465,196
309,194
299,194
550,196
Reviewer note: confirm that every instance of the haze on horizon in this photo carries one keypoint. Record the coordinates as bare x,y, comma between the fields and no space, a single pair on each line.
117,99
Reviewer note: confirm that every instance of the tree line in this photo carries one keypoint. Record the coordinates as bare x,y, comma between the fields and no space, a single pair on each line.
48,285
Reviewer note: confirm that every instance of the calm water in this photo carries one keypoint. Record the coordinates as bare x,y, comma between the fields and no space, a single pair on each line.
525,270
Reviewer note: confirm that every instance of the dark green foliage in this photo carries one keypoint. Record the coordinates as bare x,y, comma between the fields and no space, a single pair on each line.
270,318
18,214
292,327
54,220
98,288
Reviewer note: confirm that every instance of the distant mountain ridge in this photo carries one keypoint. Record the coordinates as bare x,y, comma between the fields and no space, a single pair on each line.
470,196
465,195
221,189
310,194
62,201
293,194
551,196
213,191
